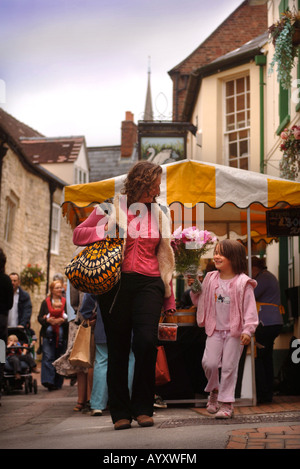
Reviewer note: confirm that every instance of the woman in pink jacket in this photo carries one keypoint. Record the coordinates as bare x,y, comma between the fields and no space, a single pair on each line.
131,310
227,310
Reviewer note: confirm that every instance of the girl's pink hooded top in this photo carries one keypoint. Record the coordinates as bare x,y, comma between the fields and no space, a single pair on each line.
243,312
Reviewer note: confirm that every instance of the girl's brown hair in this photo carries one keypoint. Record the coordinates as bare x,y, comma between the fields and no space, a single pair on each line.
140,179
235,252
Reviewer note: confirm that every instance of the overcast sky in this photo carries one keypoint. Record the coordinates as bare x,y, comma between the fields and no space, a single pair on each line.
74,67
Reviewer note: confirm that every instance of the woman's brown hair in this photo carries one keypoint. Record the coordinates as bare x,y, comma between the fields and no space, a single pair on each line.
235,252
140,179
52,285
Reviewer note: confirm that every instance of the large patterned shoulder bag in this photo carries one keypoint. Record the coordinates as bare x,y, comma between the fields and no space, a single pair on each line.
97,268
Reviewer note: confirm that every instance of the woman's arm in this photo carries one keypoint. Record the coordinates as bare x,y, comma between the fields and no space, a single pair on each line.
91,230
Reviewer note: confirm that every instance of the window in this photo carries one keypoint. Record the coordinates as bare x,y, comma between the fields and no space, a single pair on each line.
80,176
12,203
55,229
237,122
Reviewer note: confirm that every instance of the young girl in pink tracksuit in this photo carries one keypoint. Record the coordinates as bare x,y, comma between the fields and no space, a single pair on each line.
227,310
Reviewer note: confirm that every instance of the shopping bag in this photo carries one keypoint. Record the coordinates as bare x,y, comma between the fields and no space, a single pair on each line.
81,352
162,375
97,268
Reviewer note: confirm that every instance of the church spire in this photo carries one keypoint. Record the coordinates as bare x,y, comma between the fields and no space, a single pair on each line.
148,113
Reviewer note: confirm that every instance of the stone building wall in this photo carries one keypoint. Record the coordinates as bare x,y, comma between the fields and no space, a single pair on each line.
30,234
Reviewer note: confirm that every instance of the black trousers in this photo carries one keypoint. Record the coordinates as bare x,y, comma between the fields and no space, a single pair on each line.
264,369
131,312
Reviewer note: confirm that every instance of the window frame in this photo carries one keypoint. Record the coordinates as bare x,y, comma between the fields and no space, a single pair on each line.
238,130
12,204
55,230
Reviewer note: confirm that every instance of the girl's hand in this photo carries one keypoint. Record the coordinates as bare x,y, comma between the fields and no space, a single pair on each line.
245,339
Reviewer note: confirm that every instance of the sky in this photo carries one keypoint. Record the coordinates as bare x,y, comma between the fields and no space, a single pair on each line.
74,67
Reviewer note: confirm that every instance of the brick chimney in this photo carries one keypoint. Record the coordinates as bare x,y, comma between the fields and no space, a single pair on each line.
128,135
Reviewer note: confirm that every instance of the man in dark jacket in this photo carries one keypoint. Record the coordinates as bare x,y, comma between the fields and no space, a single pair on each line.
6,302
20,313
267,296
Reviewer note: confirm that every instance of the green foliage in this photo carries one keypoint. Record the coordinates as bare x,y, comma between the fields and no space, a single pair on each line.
285,51
290,146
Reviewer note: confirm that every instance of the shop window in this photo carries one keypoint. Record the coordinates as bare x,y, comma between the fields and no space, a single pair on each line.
237,122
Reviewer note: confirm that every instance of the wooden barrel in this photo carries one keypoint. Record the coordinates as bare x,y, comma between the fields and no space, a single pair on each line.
183,317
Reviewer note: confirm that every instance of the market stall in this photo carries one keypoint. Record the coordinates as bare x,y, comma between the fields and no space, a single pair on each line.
226,201
229,200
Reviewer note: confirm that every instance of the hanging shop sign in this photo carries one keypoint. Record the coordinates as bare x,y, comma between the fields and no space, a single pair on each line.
283,222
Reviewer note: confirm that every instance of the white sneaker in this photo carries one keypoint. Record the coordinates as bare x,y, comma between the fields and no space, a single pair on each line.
226,411
96,412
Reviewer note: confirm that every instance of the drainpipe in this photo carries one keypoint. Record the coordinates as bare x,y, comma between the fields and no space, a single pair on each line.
261,61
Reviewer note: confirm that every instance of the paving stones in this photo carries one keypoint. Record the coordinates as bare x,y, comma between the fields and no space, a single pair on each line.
285,437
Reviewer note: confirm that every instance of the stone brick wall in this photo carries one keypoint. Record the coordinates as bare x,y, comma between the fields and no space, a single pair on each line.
245,23
30,236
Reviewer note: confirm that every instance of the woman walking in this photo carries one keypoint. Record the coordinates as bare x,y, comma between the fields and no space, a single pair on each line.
131,310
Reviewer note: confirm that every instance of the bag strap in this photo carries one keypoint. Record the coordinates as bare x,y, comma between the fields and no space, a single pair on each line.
85,323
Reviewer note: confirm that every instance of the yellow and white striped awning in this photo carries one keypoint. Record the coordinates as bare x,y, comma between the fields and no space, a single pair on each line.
192,182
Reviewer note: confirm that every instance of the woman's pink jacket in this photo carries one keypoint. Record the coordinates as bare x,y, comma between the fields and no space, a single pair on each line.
93,229
243,312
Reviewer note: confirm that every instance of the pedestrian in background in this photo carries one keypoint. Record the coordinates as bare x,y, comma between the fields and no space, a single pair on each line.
6,297
267,295
99,396
20,313
6,303
83,375
54,333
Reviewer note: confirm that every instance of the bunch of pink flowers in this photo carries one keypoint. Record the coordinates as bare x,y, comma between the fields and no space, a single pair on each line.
189,244
199,238
290,146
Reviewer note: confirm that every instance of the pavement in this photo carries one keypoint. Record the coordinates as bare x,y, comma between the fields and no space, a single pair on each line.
279,436
47,420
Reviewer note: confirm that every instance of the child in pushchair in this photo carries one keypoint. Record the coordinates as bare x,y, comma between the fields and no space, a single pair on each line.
19,362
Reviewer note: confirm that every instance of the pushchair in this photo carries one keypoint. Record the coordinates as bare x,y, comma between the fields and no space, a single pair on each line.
11,384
